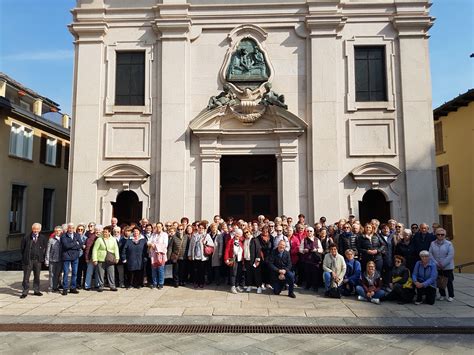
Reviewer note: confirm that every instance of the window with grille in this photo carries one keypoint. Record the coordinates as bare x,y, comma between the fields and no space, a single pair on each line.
130,79
442,176
17,209
370,73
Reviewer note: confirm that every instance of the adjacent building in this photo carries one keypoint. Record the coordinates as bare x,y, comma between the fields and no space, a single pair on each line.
240,107
34,157
454,135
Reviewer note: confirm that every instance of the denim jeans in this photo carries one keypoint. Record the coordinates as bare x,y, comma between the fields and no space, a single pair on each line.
327,279
158,275
90,271
73,264
361,292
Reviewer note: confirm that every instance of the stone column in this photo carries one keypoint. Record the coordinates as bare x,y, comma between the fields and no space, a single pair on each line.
210,185
417,114
288,179
173,26
86,130
323,25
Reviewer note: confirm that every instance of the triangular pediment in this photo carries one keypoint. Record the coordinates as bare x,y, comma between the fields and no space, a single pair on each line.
222,120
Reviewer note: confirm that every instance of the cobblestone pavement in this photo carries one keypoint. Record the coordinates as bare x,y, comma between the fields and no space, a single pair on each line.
215,305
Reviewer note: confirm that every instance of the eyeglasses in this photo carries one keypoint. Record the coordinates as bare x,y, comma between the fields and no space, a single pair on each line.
398,261
180,229
440,234
279,230
399,226
80,229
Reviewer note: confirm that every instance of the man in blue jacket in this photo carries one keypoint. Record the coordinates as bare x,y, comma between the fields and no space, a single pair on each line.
71,245
424,277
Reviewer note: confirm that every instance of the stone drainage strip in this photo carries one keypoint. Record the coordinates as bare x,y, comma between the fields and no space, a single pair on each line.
237,329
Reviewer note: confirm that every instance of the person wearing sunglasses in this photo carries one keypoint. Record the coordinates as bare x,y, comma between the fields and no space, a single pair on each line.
442,252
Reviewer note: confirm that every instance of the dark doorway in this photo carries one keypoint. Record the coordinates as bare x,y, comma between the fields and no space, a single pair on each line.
374,205
248,186
127,209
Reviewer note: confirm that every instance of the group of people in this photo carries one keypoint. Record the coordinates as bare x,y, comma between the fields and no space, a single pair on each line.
375,262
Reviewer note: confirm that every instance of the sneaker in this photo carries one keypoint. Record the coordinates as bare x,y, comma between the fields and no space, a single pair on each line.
240,289
259,290
375,300
249,288
418,303
263,288
360,298
233,289
450,299
441,298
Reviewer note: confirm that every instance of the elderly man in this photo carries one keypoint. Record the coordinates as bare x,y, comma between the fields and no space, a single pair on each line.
280,266
33,250
71,245
334,268
423,238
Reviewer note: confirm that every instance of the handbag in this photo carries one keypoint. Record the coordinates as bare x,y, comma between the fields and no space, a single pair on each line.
208,250
109,257
442,282
334,292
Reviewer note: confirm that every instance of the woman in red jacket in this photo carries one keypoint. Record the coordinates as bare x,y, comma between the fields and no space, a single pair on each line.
234,258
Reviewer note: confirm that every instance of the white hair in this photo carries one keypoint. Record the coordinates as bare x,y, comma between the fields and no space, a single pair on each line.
117,229
239,232
99,227
36,225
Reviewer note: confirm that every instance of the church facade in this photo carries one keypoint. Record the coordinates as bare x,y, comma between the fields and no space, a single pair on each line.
239,107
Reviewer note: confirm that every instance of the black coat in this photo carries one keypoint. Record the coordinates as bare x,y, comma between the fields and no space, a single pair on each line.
70,247
27,244
277,262
364,245
348,241
408,252
134,254
422,242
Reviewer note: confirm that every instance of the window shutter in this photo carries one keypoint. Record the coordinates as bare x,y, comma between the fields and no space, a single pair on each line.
43,150
59,149
66,157
446,175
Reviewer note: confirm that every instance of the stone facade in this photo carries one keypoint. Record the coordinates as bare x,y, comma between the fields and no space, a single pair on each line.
330,148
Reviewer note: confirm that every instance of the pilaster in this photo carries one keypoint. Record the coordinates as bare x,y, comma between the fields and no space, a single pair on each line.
172,25
418,130
323,23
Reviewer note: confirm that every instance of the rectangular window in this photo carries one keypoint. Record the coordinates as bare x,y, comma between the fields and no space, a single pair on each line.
51,145
370,77
442,176
439,146
17,209
446,221
48,208
130,79
21,141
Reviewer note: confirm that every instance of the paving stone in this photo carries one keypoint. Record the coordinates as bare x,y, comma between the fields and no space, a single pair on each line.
240,311
286,312
168,311
198,311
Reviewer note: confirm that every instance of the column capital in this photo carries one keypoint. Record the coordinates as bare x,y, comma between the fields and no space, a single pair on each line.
89,32
325,25
413,26
172,21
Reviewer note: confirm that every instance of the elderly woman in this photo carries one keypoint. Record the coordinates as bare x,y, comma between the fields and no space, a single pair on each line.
370,247
425,274
133,256
352,277
177,249
311,257
197,254
157,251
121,239
214,274
102,247
402,284
266,244
252,262
326,241
91,237
82,265
334,268
406,248
347,240
53,259
371,285
234,256
442,252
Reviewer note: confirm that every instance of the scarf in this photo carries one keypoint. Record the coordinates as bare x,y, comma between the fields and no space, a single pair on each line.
237,250
247,248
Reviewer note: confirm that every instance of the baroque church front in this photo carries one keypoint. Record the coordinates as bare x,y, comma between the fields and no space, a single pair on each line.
239,107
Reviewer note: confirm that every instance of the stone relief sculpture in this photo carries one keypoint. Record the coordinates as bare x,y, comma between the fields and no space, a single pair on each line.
246,91
247,63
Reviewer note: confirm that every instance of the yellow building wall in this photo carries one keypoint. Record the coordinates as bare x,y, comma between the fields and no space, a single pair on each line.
35,176
458,140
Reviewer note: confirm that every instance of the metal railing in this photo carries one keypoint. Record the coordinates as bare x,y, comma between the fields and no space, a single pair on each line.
460,266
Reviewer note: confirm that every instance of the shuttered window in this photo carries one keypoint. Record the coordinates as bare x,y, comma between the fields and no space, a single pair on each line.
21,142
443,180
439,146
130,79
50,151
447,223
370,73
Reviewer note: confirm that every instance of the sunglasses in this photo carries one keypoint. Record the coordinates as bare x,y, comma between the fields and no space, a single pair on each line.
440,234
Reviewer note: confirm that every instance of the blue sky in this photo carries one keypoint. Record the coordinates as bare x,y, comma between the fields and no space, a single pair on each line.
36,47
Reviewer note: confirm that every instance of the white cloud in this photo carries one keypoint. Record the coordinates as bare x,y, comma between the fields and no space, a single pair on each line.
56,54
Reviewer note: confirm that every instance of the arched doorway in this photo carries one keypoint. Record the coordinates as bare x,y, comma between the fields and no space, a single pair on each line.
127,208
374,205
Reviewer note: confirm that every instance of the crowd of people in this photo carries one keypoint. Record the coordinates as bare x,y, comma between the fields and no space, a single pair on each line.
373,262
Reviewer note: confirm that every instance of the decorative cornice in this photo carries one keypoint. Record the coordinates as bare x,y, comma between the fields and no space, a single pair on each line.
172,28
375,172
89,32
325,25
